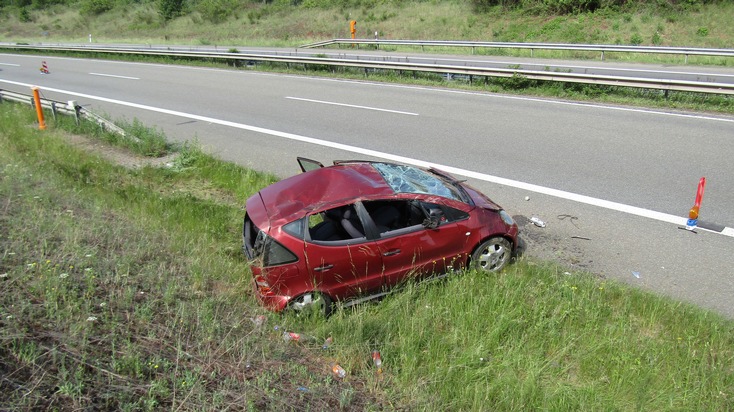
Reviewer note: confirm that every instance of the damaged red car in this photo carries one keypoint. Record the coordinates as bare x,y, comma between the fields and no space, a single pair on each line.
354,230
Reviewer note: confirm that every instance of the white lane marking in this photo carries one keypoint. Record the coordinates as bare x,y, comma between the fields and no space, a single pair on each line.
351,105
620,207
115,76
9,64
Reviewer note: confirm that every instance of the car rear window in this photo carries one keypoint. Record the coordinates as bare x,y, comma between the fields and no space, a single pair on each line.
408,179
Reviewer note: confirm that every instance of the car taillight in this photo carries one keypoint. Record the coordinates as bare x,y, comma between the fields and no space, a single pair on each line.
262,285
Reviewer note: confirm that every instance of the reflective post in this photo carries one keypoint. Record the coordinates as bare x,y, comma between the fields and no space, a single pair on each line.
39,109
353,29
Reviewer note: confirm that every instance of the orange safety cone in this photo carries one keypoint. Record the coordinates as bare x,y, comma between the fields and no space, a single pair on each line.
44,68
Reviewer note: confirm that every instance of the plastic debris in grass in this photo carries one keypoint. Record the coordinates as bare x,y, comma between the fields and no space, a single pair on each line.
259,320
291,336
338,371
377,360
327,343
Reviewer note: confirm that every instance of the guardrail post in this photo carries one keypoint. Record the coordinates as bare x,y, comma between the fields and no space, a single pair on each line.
602,55
531,53
39,109
53,110
71,104
686,62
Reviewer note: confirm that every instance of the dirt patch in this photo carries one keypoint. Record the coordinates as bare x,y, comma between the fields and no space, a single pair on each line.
118,155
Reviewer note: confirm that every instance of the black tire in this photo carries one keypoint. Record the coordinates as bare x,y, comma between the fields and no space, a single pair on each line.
312,304
492,255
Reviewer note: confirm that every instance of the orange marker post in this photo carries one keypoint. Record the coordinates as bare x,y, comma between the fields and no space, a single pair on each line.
353,29
39,109
693,213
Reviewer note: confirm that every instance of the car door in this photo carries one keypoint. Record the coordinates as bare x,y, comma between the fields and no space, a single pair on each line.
308,164
341,264
410,250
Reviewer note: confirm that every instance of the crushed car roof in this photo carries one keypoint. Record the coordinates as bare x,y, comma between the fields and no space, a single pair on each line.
290,198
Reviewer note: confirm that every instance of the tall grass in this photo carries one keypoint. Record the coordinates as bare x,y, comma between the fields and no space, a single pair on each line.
126,289
536,338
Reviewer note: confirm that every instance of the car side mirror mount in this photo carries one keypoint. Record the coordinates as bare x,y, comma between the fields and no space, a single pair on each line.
435,216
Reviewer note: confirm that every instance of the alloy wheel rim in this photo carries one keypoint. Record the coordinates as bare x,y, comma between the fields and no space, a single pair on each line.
493,256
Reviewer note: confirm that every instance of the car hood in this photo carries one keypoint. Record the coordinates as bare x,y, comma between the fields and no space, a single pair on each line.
480,199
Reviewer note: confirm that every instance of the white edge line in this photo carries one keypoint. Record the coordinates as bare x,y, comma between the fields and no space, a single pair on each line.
351,105
9,64
115,76
633,210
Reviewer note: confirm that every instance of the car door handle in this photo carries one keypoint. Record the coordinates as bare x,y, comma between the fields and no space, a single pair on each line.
391,253
323,268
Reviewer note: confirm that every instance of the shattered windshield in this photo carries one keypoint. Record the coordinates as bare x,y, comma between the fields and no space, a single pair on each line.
408,179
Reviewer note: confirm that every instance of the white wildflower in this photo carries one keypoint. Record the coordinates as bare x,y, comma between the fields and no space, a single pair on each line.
91,319
4,275
63,276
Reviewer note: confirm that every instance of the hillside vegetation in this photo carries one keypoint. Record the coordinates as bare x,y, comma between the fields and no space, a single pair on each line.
701,23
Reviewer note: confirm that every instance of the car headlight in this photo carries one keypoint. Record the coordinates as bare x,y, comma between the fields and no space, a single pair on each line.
506,218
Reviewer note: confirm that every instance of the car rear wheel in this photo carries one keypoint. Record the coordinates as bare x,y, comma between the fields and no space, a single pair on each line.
312,303
492,255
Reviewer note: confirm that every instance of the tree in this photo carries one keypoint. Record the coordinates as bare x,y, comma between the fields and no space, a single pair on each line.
169,9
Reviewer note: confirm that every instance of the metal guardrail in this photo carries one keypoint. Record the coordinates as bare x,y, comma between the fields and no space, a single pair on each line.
686,51
68,108
471,71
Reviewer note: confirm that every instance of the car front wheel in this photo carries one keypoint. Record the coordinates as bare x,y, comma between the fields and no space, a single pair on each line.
492,255
312,303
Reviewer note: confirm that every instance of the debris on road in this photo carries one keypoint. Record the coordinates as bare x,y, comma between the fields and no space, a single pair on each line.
537,222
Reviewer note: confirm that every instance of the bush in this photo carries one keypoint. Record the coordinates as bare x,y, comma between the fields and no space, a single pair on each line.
216,11
657,39
25,15
636,39
95,7
170,9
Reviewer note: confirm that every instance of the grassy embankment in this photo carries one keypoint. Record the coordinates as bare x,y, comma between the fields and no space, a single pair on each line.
126,289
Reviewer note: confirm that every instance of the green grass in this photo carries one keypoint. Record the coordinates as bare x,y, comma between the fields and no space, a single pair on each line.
126,289
280,23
